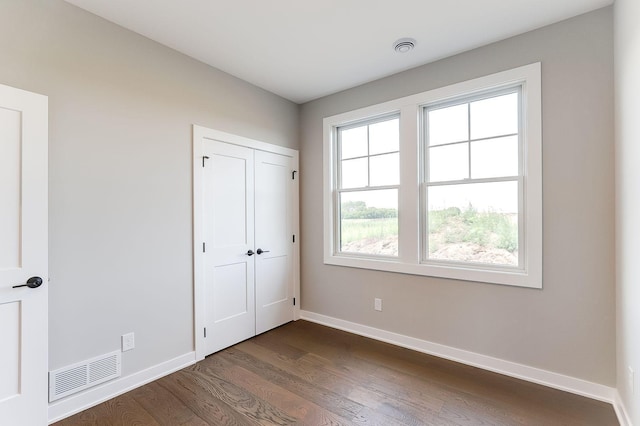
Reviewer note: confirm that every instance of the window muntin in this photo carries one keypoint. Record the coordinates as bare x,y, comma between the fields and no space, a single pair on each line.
472,197
368,181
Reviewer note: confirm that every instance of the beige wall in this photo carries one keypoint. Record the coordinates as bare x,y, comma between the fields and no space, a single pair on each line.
121,110
568,327
627,66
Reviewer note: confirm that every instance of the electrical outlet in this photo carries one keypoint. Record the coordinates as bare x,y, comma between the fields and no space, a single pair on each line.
630,378
377,304
128,342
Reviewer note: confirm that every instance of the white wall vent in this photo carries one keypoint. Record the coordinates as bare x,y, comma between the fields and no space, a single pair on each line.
82,375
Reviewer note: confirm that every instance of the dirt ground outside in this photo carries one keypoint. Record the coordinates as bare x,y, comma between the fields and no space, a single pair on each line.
464,252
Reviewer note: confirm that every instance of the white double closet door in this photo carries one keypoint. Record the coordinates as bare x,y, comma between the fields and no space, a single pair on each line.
248,269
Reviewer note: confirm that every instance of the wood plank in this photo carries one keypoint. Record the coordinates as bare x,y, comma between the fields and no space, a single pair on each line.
285,400
318,395
260,411
197,397
164,406
120,411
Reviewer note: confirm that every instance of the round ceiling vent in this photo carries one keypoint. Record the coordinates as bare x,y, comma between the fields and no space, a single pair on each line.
404,45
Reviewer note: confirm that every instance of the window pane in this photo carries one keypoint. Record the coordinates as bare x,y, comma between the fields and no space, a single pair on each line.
450,162
369,222
384,137
448,125
353,142
494,116
355,173
494,157
474,223
385,169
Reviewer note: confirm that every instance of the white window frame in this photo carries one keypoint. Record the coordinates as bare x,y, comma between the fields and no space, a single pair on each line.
410,229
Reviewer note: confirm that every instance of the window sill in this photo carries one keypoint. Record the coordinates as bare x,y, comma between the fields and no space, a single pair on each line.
513,277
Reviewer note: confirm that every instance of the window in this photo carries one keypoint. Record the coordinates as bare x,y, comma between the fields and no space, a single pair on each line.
472,180
445,183
367,190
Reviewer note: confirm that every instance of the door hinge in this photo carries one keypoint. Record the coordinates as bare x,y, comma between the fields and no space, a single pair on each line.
204,157
204,247
294,301
293,174
294,238
205,332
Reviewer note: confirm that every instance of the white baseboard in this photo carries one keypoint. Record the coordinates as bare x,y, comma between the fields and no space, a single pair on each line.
508,368
74,404
621,411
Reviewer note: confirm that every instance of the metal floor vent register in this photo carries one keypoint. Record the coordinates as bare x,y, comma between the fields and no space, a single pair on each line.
85,374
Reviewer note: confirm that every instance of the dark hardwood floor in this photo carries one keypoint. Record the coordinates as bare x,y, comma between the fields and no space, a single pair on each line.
304,373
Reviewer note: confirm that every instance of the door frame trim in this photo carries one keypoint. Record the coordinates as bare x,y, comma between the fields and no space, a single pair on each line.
199,134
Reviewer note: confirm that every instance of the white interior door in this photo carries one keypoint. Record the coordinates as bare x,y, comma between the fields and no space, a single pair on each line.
23,255
246,259
229,271
273,230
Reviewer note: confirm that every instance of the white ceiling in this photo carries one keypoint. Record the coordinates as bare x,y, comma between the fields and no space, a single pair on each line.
305,49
